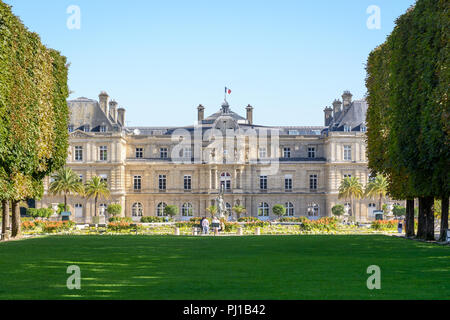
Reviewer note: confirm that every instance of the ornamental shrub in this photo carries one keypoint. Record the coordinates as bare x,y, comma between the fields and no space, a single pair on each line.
120,219
114,209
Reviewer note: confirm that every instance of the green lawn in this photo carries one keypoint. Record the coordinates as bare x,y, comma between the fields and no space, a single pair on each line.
291,267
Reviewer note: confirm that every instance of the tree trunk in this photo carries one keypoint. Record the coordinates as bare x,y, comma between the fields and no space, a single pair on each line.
409,219
381,202
5,220
444,218
429,215
95,206
351,207
16,223
421,229
65,202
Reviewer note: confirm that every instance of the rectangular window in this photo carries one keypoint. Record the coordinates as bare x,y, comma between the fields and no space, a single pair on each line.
78,153
347,129
311,152
286,153
103,129
263,182
139,153
313,182
288,183
347,153
103,153
137,183
163,153
262,153
162,183
86,128
187,183
70,129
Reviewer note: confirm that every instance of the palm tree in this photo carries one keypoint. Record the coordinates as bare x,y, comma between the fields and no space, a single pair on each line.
212,210
351,189
238,209
66,182
96,188
377,188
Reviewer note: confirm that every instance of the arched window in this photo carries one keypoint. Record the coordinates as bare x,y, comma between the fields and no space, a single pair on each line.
160,209
313,210
263,209
137,210
187,210
290,211
225,180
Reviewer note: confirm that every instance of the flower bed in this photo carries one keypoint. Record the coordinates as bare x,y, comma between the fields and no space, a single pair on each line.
384,225
55,227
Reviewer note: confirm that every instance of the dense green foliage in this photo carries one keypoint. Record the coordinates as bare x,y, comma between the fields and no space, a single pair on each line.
171,210
408,118
114,209
33,109
279,210
251,268
338,210
399,211
40,213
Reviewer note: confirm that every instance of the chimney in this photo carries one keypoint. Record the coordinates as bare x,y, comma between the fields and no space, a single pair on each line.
113,110
336,108
103,99
347,99
328,116
121,116
201,113
249,114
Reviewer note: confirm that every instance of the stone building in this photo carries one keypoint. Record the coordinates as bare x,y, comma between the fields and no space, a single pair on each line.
147,168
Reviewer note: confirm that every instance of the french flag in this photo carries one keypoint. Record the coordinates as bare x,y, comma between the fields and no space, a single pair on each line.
227,90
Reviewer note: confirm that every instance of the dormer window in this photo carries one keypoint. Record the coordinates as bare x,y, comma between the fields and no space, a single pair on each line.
86,128
347,128
103,129
70,129
363,128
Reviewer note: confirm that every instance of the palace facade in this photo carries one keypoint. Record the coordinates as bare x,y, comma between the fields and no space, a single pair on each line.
147,168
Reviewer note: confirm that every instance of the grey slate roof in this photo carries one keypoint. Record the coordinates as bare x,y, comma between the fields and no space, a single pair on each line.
354,116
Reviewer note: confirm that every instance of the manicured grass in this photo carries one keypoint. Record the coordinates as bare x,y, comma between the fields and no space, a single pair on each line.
291,267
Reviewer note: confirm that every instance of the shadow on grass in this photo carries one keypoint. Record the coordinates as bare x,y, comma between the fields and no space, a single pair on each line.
266,267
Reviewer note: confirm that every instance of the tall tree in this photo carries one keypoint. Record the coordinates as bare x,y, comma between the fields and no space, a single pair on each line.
66,182
33,111
351,189
412,76
96,188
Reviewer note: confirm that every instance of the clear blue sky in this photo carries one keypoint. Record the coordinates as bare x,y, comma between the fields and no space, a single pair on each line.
161,59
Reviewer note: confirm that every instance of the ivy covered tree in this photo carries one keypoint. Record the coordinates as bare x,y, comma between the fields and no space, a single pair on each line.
408,116
33,112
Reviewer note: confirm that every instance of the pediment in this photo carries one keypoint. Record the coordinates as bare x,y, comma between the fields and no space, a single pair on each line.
80,134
